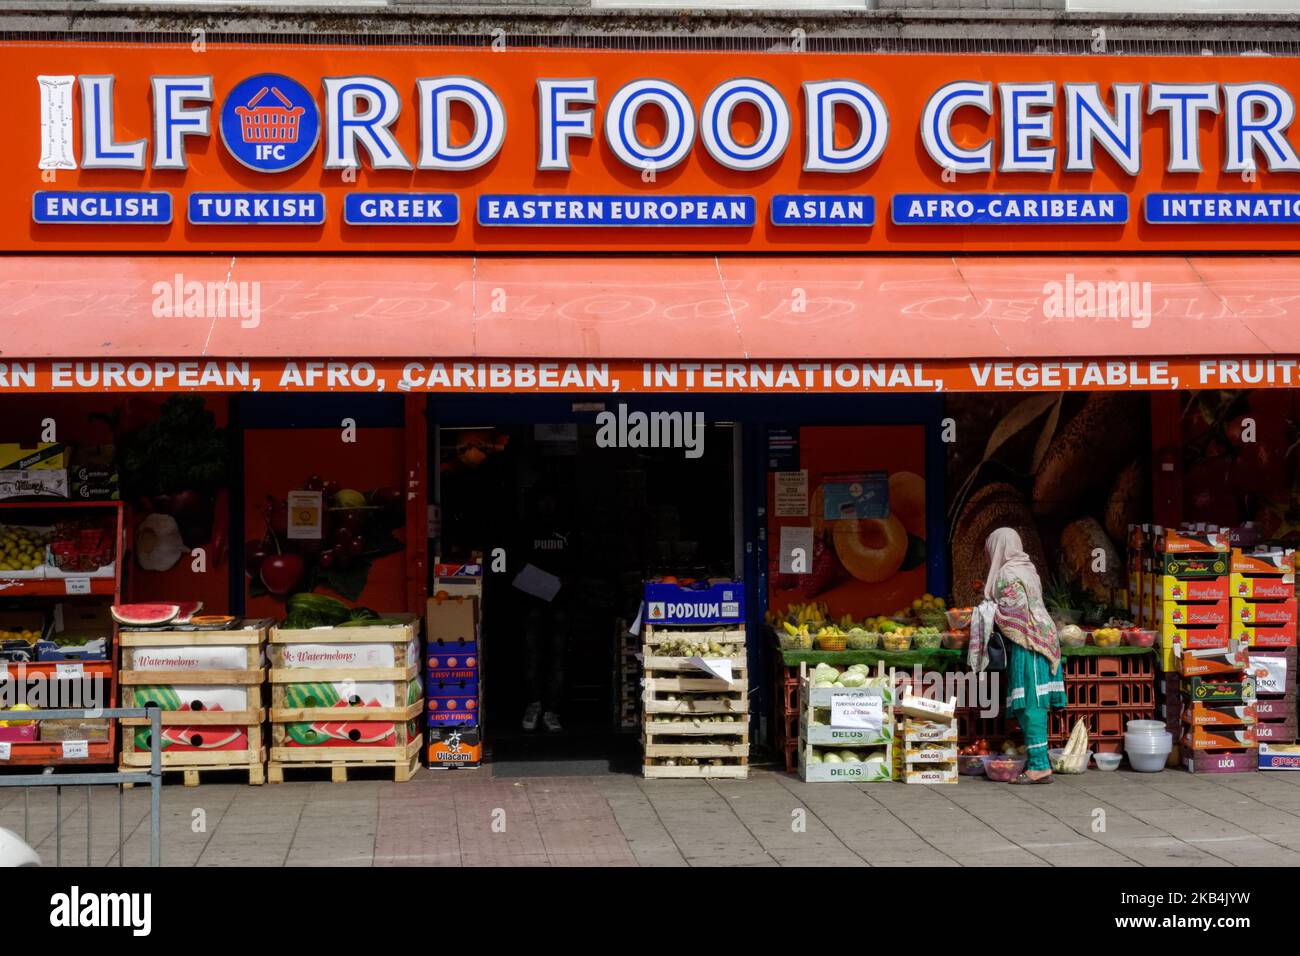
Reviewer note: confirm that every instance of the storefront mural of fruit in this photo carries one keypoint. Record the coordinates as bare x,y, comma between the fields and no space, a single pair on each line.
1069,472
359,556
859,566
1239,461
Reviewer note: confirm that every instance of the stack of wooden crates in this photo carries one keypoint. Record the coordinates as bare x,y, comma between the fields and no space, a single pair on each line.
208,685
694,723
347,697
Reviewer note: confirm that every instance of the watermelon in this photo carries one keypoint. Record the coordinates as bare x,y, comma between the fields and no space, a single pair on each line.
145,615
187,611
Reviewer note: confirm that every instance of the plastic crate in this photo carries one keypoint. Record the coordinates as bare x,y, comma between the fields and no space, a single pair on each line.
1126,694
1105,727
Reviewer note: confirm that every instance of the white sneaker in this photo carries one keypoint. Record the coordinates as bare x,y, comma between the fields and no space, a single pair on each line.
551,721
531,713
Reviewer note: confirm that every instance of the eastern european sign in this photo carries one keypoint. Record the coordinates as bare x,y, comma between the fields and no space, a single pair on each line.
159,147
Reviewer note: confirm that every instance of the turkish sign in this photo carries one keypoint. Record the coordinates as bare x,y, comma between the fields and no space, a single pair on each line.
157,147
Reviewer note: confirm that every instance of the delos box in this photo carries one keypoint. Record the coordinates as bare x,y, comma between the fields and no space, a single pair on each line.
1262,588
1215,661
1219,738
455,747
1265,635
1279,756
1215,690
1224,715
1193,614
1203,589
1248,611
1209,761
692,604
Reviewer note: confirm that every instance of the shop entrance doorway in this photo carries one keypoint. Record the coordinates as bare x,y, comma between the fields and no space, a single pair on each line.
591,522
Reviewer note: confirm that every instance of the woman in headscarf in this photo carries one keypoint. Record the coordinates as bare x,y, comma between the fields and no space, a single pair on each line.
1013,598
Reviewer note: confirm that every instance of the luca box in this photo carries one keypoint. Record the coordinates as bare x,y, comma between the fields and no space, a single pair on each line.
677,604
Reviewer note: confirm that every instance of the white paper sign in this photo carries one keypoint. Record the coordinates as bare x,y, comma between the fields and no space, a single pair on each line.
719,667
540,584
791,494
76,585
857,712
306,511
76,749
1270,673
6,750
796,541
69,672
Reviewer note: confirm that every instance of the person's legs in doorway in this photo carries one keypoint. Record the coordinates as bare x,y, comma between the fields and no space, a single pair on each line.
533,625
556,645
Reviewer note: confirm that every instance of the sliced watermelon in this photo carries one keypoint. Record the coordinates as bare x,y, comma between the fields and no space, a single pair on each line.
145,615
187,611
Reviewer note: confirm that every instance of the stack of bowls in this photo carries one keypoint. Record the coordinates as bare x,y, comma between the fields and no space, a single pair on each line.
1148,744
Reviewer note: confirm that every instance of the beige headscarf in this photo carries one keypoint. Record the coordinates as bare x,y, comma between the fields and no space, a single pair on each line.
1007,558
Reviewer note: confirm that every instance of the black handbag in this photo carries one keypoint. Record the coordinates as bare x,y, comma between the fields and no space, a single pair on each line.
997,652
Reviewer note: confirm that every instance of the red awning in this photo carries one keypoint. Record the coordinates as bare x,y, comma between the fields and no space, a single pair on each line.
664,307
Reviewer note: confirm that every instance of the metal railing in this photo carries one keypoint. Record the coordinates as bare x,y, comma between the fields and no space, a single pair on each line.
88,780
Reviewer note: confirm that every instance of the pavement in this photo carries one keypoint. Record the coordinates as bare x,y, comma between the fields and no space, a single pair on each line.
484,817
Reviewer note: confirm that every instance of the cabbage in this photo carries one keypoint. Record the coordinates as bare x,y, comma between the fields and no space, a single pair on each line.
831,757
814,757
850,756
838,684
823,683
854,679
859,668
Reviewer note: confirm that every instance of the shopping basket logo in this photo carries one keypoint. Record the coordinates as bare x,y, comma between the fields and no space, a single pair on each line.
270,122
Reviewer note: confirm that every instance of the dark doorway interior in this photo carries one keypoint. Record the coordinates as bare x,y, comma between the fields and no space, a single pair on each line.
601,519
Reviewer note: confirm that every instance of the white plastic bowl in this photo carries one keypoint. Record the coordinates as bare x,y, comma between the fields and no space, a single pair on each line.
1146,727
1108,761
1147,763
1149,743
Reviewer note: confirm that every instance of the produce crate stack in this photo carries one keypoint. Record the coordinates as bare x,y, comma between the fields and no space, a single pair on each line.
1218,712
846,733
696,723
208,682
346,696
1191,608
1105,693
929,740
1264,616
695,692
627,678
454,672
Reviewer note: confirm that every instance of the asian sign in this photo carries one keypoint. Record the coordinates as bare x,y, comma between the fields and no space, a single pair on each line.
163,148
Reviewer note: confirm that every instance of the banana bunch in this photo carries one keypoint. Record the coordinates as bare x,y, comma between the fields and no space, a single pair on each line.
806,613
830,630
796,637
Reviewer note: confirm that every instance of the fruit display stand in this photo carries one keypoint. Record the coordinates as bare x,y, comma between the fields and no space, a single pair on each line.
77,678
453,667
820,738
694,724
346,697
209,685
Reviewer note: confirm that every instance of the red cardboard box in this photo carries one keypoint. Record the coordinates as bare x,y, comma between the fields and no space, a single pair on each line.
1275,708
1262,588
1246,611
1240,761
1265,635
1204,589
1219,738
1219,715
1185,541
1193,614
1199,637
1226,662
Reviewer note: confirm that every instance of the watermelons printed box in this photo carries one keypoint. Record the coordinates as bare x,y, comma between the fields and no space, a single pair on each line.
675,604
195,738
347,693
344,733
325,656
206,697
214,658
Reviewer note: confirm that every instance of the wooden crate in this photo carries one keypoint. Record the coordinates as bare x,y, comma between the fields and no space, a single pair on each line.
710,747
821,736
246,681
403,755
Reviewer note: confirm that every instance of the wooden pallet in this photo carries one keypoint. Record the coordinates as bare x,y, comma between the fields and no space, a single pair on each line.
403,761
732,772
195,775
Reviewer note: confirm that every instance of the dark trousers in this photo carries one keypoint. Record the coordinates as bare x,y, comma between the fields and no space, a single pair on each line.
546,631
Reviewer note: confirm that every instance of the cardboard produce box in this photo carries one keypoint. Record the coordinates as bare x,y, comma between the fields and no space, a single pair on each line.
1210,761
1197,714
1194,636
1217,690
1214,662
1219,738
1262,588
1195,613
1204,589
1276,731
1273,756
1265,635
1275,708
452,624
1249,611
1264,562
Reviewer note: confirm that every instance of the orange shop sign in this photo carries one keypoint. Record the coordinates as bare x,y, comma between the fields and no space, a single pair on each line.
243,148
